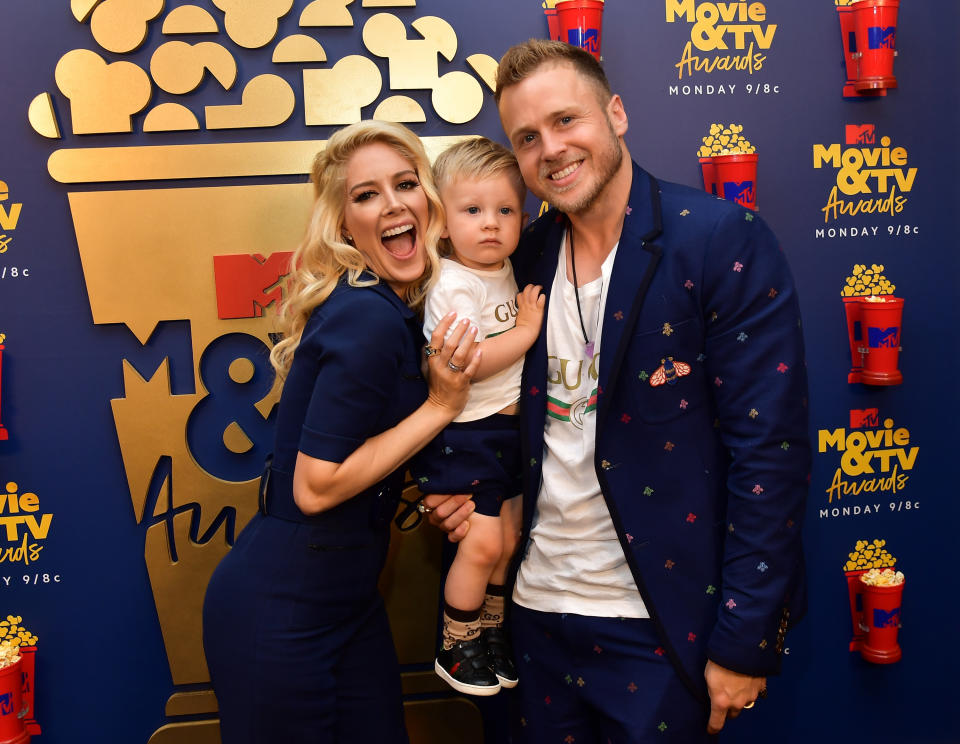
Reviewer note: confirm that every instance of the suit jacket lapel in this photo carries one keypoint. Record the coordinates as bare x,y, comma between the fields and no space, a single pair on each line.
633,267
539,268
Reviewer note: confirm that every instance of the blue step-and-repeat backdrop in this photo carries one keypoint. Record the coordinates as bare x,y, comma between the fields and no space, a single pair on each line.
153,161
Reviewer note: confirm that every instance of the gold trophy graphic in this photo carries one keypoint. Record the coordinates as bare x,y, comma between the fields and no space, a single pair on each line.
170,259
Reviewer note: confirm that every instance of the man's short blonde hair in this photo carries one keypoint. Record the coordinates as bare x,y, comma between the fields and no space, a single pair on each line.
523,59
477,158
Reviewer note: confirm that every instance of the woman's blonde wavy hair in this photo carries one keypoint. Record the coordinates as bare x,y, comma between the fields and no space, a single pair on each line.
324,257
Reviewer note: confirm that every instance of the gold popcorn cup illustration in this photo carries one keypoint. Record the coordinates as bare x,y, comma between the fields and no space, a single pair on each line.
195,268
214,256
149,256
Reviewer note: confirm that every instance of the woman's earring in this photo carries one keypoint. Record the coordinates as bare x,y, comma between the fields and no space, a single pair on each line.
348,238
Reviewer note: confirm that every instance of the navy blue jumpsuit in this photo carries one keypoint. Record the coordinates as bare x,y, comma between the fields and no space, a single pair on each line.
294,628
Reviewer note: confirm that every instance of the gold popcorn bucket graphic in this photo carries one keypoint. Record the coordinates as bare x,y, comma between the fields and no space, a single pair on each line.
193,267
150,256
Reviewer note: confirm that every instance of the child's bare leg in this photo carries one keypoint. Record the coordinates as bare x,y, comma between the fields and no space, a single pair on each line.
493,601
463,661
511,514
477,556
498,646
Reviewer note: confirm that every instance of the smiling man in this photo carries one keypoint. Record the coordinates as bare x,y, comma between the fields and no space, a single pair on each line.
664,428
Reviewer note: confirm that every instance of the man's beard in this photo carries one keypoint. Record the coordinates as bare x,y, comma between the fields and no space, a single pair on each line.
607,163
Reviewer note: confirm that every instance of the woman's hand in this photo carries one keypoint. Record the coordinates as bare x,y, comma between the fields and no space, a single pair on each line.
319,485
452,363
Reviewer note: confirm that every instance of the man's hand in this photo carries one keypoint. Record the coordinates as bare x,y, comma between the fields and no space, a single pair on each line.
450,513
729,693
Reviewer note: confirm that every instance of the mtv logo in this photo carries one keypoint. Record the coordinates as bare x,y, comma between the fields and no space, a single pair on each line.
861,134
246,284
588,39
880,338
741,193
862,418
6,704
881,37
886,619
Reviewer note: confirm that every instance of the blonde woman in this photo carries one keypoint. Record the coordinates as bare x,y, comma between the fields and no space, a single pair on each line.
295,632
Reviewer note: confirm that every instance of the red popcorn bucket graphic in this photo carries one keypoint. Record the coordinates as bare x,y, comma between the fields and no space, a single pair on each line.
12,730
854,589
709,175
580,24
875,23
553,23
848,35
851,57
852,307
736,178
881,615
4,434
881,322
28,657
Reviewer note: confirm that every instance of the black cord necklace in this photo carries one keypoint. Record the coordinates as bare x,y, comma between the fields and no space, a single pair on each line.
587,344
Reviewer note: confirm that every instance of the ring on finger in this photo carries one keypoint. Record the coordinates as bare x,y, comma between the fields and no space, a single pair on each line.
454,367
429,351
423,508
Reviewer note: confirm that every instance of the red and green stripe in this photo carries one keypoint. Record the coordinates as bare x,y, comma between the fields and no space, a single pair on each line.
560,410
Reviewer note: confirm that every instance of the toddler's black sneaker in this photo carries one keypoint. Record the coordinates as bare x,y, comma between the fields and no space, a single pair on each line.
465,667
500,656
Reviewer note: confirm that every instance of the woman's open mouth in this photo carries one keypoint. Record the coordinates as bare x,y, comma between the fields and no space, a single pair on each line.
400,241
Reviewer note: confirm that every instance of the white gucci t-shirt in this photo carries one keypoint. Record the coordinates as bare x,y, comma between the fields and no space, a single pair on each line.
575,563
